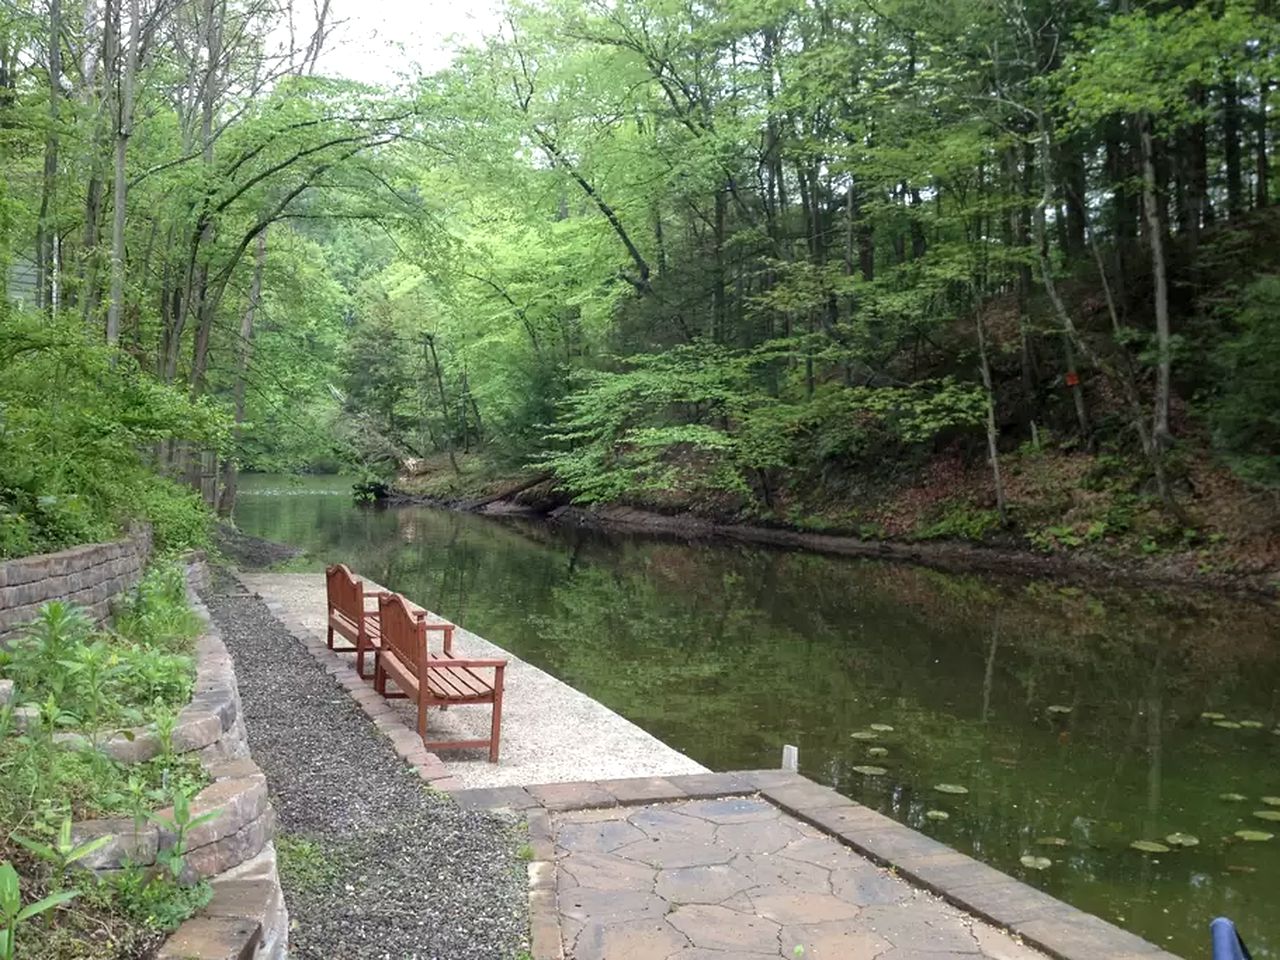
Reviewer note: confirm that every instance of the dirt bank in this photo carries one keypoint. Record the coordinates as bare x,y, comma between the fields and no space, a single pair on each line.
249,552
950,555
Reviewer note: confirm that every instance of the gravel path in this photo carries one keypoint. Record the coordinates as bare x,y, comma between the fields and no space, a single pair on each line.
372,865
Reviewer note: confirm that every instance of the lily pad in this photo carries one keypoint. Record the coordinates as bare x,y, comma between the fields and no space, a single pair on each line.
1255,836
937,815
1149,846
1035,863
1252,724
1232,797
1272,815
952,788
1210,715
1051,841
1057,708
864,735
878,752
1227,724
1182,840
1271,801
882,727
870,771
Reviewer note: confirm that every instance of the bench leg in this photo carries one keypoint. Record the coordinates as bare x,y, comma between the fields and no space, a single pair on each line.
422,712
329,638
495,726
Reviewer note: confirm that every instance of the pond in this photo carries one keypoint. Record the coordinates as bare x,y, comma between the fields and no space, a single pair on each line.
1074,719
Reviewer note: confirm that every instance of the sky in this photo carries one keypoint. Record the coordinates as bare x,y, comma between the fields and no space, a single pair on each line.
379,40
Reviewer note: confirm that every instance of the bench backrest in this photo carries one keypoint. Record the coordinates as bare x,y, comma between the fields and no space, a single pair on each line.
346,592
403,633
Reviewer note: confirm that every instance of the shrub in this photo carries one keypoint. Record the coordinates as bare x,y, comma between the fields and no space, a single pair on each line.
698,418
76,427
1244,413
98,678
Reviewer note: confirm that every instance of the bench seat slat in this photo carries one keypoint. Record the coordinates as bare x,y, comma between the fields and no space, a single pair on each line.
466,681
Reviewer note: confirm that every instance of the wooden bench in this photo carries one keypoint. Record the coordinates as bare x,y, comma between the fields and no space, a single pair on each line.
434,680
350,617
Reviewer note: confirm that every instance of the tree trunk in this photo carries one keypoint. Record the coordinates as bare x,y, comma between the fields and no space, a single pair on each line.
1019,186
230,468
444,403
1230,147
1262,163
90,299
124,129
1044,156
918,242
993,436
1076,385
1160,430
46,226
719,313
1127,380
1075,189
199,306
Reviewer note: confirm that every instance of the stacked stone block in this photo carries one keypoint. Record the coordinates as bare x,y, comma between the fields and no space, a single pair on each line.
90,576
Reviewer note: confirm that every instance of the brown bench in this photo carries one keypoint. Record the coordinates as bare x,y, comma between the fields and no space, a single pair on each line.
434,680
350,617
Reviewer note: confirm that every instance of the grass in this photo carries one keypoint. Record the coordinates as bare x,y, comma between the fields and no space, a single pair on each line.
303,864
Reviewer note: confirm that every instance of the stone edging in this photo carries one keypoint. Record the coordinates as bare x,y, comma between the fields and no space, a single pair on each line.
1040,920
341,666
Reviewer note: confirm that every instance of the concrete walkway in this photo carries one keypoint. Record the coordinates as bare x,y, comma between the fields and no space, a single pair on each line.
550,731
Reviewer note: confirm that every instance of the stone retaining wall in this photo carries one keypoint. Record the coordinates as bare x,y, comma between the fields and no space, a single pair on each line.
246,919
90,576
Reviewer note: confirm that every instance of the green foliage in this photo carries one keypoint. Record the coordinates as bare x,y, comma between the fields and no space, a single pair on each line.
1244,411
154,900
13,914
961,521
123,678
616,436
1149,61
74,423
62,854
156,613
174,855
89,683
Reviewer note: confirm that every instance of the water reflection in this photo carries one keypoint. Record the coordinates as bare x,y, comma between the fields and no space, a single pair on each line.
1065,713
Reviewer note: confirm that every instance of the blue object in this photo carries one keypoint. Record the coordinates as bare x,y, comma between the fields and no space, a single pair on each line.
1227,944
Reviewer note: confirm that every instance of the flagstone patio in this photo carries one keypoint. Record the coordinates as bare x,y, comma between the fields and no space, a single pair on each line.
766,863
729,878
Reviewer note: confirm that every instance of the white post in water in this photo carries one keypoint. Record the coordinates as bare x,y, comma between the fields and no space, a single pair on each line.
790,758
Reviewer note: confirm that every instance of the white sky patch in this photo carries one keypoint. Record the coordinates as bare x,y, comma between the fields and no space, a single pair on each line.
384,41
